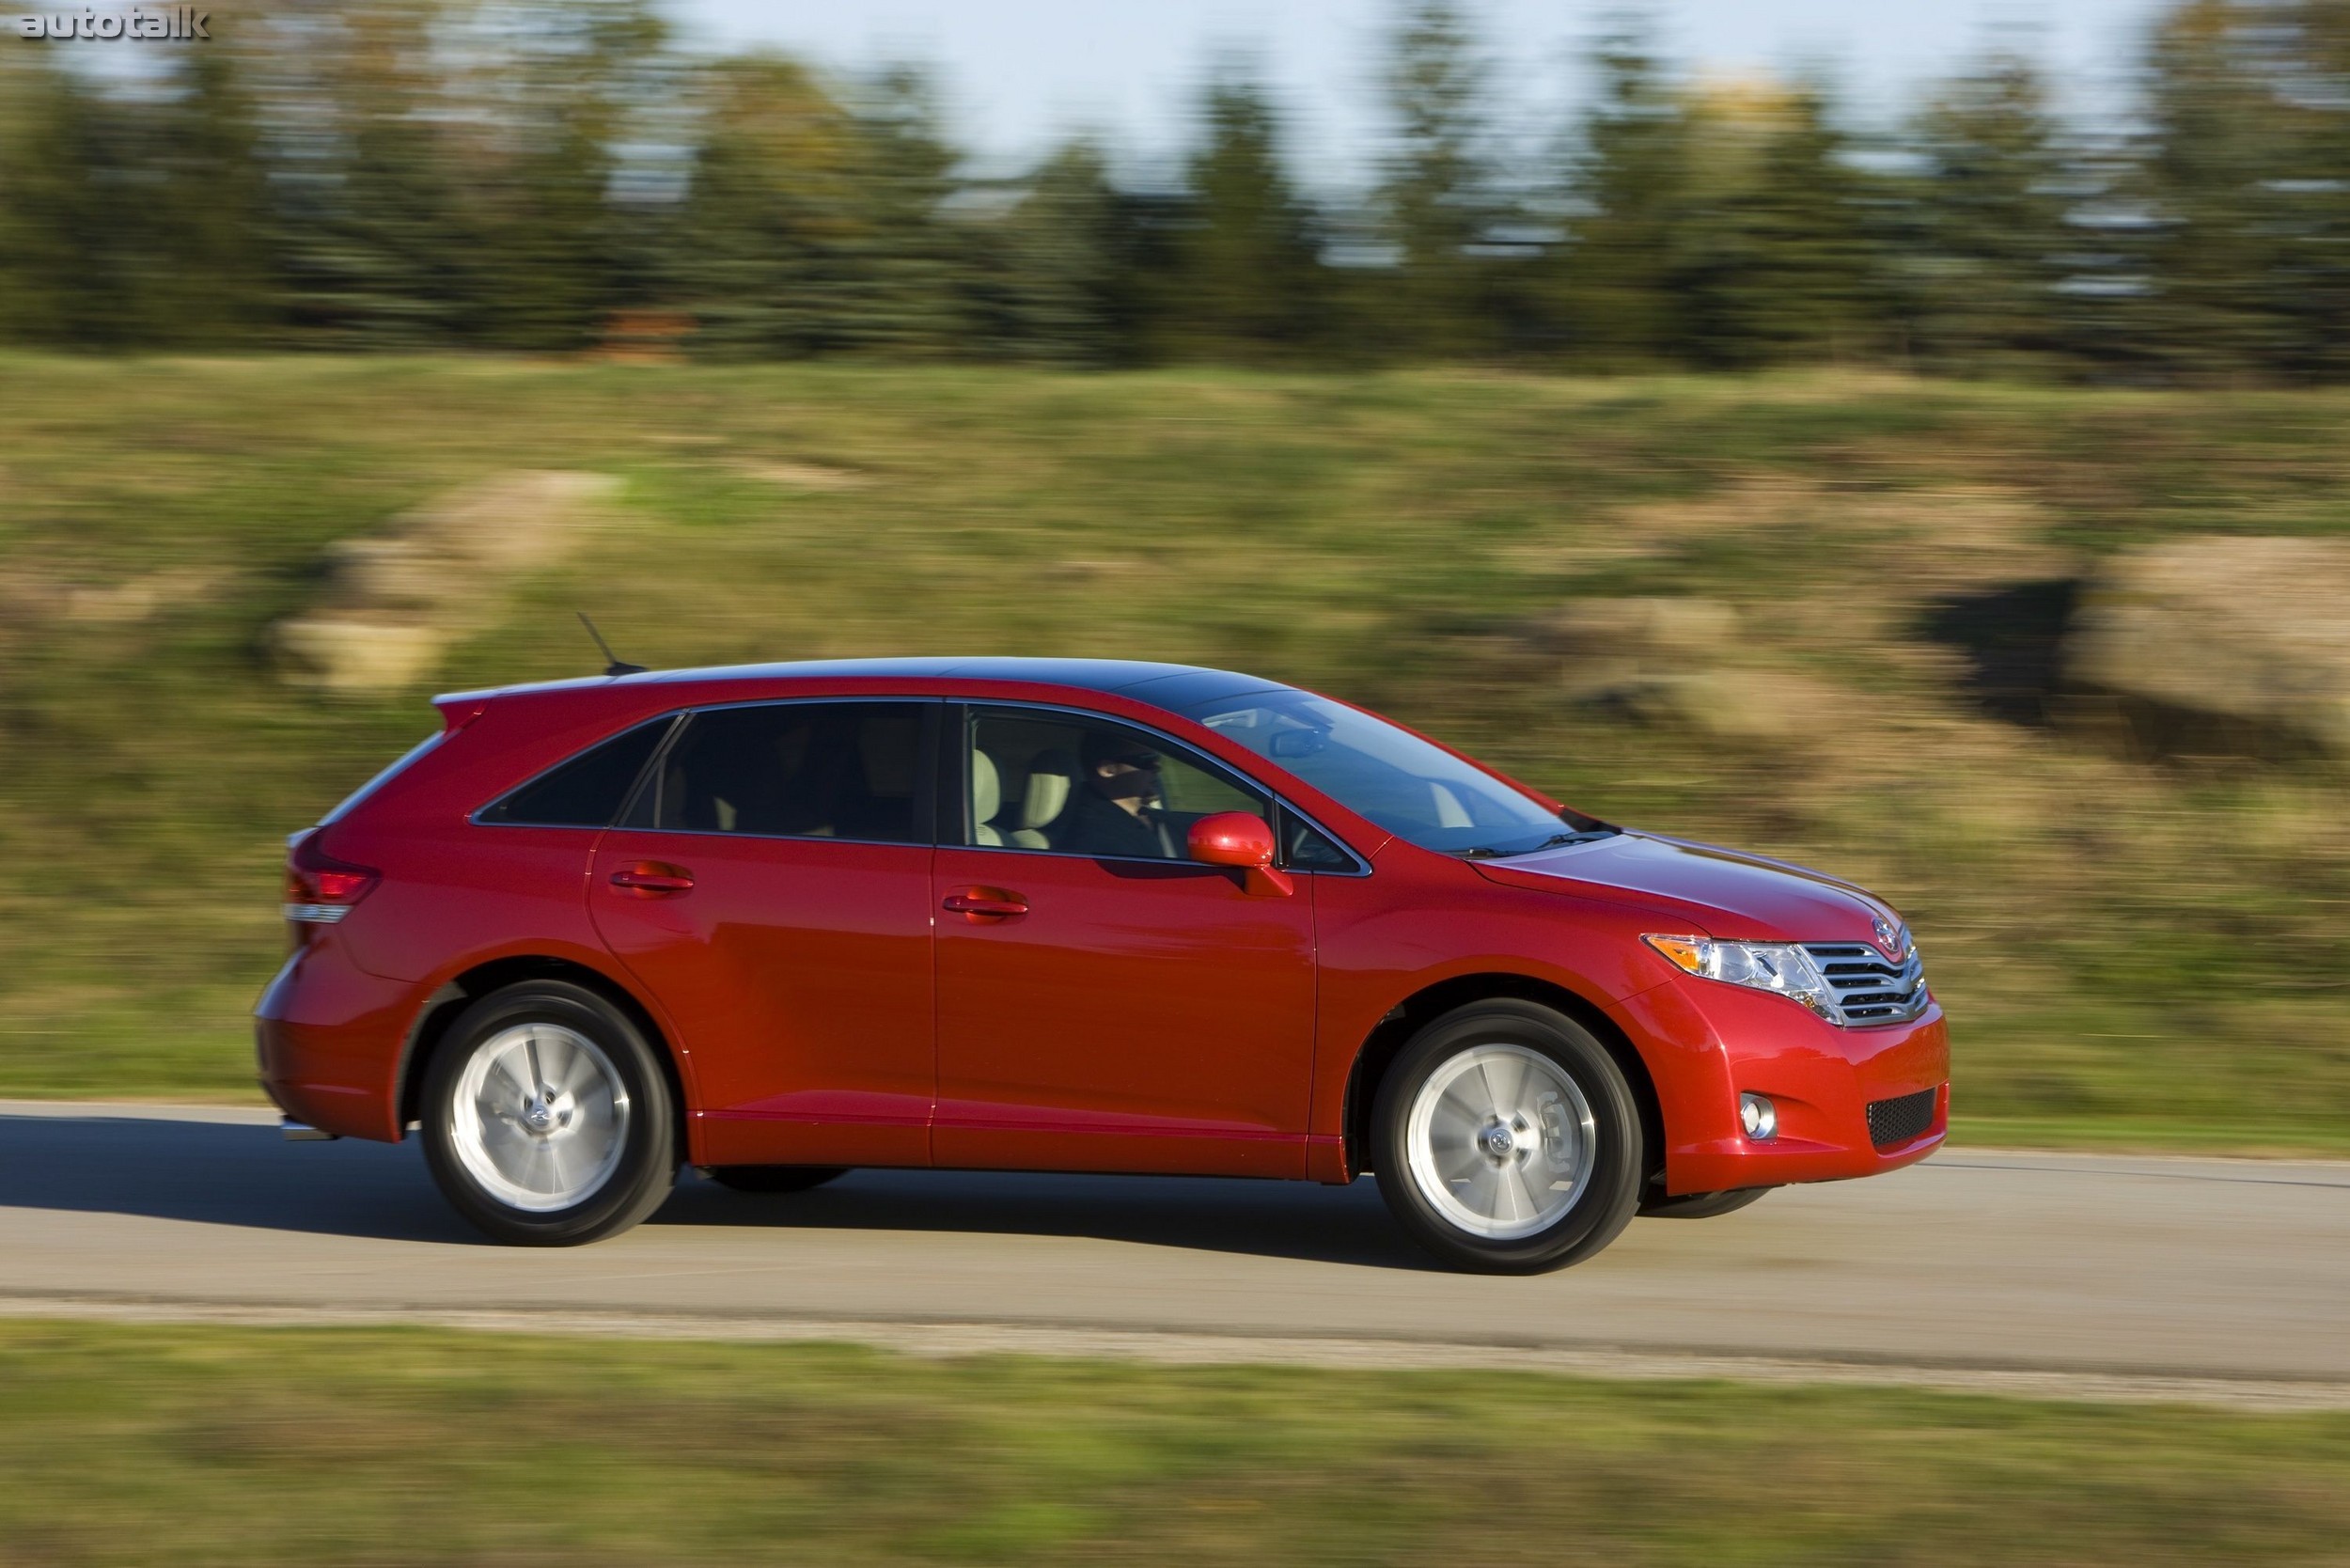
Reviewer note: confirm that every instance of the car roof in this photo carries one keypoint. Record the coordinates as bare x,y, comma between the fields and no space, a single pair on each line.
1161,685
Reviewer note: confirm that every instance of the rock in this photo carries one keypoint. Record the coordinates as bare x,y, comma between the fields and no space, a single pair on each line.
1668,661
2254,631
359,655
397,600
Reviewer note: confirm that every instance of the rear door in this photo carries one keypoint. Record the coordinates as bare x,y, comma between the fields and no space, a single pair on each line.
771,888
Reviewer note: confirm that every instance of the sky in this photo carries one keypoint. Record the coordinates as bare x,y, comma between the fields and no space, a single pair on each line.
1020,74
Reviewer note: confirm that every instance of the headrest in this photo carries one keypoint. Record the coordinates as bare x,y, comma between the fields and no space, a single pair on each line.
889,747
1051,775
987,786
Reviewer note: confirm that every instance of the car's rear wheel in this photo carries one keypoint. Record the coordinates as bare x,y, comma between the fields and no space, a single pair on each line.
1701,1205
547,1117
1507,1140
775,1178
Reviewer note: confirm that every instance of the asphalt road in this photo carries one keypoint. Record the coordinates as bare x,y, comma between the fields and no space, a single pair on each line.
2010,1266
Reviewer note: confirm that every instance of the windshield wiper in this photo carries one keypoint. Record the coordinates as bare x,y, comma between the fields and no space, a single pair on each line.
1491,852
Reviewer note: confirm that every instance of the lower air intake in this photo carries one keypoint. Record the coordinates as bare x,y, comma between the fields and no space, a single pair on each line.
1898,1121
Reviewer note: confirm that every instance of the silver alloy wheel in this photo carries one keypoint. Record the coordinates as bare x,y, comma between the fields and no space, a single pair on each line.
1500,1141
539,1119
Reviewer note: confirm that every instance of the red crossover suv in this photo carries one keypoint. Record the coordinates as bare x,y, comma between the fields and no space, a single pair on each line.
780,921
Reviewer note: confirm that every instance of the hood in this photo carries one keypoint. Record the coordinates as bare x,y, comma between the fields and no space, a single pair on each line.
1720,892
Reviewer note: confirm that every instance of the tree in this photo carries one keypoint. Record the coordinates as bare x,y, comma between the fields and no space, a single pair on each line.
1990,231
1621,285
1248,279
1439,198
1782,266
2222,144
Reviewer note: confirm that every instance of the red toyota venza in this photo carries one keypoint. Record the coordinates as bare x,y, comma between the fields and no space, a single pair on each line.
775,921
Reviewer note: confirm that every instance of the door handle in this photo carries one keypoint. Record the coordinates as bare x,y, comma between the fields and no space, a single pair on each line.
989,905
654,881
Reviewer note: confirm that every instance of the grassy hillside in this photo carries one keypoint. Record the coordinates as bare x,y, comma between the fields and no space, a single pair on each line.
255,1448
2134,949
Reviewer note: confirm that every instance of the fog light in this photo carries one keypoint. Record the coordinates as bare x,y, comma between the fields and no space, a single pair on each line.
1759,1117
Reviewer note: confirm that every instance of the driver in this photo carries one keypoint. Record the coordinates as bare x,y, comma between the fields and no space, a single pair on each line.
1115,810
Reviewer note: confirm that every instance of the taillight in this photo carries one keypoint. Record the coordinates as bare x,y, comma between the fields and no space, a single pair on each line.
320,889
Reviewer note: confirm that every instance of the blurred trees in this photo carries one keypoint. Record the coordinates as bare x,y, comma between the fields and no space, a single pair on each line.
519,174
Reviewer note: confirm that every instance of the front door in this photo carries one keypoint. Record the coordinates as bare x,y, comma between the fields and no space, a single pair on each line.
1104,1003
771,888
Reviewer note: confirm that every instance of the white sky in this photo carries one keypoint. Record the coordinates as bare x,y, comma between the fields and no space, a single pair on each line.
1020,73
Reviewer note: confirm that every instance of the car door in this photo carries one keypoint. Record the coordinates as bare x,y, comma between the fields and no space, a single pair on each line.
1104,1002
771,888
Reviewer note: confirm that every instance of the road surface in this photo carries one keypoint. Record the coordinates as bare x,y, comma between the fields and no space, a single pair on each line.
2060,1273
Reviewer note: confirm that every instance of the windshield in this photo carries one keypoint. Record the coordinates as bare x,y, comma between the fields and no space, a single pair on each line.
1414,790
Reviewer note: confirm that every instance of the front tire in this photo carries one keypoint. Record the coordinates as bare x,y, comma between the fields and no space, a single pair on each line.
1507,1140
547,1117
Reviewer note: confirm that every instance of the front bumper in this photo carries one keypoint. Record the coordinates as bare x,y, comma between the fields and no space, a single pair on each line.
1705,1044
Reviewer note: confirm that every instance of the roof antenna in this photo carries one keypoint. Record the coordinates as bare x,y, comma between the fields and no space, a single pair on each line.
613,664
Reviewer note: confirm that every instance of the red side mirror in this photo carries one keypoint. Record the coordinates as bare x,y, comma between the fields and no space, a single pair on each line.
1244,842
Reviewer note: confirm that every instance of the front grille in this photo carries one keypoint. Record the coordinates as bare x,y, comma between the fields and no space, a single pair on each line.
1868,987
1899,1120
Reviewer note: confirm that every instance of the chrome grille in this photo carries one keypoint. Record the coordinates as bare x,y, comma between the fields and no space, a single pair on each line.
1899,1120
1867,986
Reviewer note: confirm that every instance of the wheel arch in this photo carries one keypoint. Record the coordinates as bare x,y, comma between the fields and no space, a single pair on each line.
442,1009
1395,1029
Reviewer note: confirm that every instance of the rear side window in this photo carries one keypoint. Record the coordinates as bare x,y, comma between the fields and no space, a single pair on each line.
587,791
795,770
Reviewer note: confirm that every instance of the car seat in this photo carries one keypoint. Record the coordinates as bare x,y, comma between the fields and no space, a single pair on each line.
1051,777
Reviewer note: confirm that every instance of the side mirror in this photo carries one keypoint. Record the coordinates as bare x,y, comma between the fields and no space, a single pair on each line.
1244,842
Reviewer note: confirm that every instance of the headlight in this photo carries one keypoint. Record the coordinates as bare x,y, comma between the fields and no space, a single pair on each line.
1777,967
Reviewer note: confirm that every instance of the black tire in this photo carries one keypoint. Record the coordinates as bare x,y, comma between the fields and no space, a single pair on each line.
1609,1190
643,1161
1701,1205
774,1178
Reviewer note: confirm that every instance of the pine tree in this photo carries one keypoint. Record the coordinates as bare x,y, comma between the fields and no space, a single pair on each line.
1439,198
1783,268
1061,267
1991,236
1249,278
1620,289
770,214
2223,147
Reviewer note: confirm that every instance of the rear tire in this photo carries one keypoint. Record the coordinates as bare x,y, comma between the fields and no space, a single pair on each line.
1507,1139
548,1120
774,1178
1703,1205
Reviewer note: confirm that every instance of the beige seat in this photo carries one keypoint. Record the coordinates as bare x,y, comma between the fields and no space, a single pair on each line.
987,799
1051,777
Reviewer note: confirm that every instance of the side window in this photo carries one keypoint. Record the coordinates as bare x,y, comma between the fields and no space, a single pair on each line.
589,789
1044,780
1304,848
794,770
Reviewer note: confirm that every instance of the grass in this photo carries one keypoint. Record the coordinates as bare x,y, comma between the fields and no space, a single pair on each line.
2154,951
250,1447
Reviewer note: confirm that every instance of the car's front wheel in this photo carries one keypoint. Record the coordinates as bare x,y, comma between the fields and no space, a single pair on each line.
1507,1140
547,1117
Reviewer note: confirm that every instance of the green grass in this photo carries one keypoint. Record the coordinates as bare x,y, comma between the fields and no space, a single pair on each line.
2122,944
248,1448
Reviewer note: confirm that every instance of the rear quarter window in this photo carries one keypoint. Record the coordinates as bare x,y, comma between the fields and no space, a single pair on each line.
589,791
